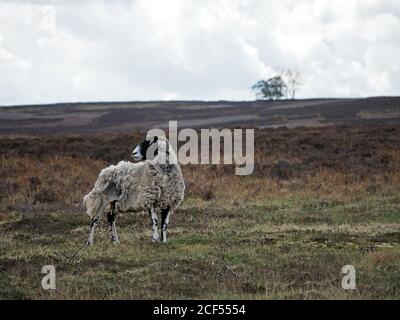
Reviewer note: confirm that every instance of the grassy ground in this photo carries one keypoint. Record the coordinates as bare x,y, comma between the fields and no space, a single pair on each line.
254,237
288,246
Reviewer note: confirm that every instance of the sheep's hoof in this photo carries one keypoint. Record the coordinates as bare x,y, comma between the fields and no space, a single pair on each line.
89,243
156,238
115,241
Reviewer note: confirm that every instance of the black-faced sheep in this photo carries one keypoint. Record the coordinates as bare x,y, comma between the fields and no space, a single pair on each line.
154,184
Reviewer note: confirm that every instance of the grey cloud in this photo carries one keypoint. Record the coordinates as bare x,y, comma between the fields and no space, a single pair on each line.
155,49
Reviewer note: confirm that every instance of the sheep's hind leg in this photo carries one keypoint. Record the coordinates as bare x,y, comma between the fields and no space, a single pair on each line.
92,227
111,216
164,224
154,222
95,212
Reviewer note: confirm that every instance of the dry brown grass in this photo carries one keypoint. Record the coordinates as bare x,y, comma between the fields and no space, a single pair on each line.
62,179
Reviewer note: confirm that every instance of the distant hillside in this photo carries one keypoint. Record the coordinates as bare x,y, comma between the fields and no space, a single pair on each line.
127,116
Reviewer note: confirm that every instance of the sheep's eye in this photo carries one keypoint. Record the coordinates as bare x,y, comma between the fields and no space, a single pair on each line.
152,141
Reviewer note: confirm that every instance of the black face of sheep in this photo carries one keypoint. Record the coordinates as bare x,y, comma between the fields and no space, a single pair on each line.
147,149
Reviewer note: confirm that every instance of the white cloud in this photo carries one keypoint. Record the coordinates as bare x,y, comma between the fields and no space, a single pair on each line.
53,51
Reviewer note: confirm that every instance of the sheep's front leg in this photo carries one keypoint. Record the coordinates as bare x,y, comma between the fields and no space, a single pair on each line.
164,224
111,216
154,222
92,227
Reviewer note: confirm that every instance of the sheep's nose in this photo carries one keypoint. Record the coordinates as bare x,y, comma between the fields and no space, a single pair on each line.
136,156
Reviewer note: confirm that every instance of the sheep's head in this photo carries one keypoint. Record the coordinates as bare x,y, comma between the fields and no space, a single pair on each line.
150,148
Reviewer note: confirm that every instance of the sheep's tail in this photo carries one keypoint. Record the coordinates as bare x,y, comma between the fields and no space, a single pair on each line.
93,201
89,201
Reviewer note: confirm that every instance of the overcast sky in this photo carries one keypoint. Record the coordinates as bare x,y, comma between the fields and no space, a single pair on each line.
59,51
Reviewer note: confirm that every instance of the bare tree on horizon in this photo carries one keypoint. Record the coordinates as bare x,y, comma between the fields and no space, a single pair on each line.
293,81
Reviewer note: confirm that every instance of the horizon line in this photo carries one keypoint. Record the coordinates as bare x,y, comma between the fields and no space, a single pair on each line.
48,104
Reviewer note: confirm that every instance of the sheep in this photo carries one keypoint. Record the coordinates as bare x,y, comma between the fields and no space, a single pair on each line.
154,184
